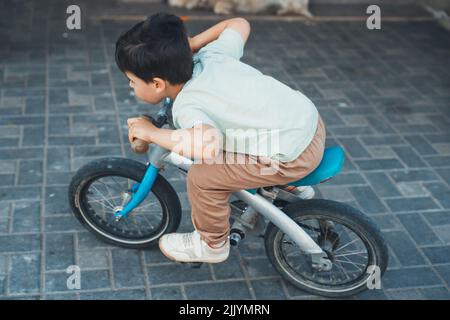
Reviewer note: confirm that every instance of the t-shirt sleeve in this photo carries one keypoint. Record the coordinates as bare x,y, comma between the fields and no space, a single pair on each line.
190,115
230,43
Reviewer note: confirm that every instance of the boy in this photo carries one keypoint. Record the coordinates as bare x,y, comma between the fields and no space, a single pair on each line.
214,92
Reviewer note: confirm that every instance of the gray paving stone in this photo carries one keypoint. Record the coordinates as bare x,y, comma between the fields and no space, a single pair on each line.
61,296
20,243
58,224
259,267
378,164
59,251
444,173
26,217
443,233
229,269
7,179
354,148
21,153
7,166
58,124
97,151
94,279
33,136
437,218
381,152
87,240
439,293
59,178
404,249
409,157
57,282
382,140
420,145
9,142
252,248
35,105
2,284
381,184
64,141
439,254
368,200
410,278
114,295
56,201
93,259
3,264
218,291
154,255
346,179
413,175
178,273
25,274
418,229
167,293
270,289
30,172
387,222
438,161
127,268
58,159
408,294
20,193
411,204
19,120
444,272
440,192
411,189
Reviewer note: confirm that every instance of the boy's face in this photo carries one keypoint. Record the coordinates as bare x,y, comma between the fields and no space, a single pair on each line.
152,92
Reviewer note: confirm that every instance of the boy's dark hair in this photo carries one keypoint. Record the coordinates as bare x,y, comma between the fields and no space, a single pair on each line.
156,47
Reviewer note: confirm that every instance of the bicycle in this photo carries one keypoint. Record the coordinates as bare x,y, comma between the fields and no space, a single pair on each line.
321,246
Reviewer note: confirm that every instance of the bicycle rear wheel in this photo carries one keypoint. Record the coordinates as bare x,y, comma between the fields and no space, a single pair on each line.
350,239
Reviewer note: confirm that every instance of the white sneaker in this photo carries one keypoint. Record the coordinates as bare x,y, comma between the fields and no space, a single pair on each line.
188,247
303,192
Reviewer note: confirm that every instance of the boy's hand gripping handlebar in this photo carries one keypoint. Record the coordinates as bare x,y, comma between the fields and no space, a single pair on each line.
141,146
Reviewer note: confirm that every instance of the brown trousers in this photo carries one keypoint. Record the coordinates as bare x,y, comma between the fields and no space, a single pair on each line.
210,186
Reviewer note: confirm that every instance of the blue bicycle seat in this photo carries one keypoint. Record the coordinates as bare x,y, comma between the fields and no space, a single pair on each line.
331,164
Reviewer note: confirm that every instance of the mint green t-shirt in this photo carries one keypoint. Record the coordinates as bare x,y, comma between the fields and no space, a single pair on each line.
256,113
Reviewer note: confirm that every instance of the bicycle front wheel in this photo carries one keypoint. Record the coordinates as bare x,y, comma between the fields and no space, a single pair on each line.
99,189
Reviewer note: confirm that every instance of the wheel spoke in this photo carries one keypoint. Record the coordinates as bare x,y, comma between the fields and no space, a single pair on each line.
342,270
349,259
350,262
353,241
142,221
105,199
360,253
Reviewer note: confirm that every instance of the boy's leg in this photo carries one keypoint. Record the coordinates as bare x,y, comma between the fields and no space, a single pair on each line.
210,186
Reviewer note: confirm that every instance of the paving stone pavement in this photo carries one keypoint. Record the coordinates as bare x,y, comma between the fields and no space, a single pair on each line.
384,96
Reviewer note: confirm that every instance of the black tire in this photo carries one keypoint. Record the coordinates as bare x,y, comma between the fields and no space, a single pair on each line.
334,211
130,169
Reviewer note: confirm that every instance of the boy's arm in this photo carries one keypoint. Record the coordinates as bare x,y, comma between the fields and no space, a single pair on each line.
202,141
239,24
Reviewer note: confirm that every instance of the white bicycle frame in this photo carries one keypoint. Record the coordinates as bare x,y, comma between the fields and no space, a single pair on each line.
158,156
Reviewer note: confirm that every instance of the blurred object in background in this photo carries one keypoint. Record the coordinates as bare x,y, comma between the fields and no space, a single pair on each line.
225,7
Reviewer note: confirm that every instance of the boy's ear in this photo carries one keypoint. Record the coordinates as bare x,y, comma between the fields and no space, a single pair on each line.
160,84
